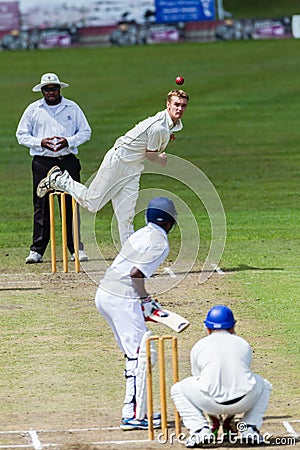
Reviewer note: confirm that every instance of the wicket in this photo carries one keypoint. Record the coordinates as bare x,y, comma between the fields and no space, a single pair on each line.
162,381
62,196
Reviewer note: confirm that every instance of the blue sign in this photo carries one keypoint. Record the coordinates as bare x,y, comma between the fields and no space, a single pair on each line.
184,10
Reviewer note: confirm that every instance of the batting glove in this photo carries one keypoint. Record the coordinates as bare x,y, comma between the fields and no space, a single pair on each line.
149,305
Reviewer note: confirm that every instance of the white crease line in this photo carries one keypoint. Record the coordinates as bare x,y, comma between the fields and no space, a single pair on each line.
16,446
132,441
290,429
75,430
137,441
69,430
12,432
37,444
36,275
35,440
26,446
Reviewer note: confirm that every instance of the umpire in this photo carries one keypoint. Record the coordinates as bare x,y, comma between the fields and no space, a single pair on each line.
53,128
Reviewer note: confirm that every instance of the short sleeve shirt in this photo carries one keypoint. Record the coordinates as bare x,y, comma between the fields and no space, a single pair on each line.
145,249
221,362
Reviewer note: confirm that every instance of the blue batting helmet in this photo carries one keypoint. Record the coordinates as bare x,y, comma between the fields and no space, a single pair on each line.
219,317
161,210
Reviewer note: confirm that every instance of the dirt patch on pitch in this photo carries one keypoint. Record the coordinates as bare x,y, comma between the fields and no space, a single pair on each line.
75,397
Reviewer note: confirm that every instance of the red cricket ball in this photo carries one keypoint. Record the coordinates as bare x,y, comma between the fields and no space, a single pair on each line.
179,80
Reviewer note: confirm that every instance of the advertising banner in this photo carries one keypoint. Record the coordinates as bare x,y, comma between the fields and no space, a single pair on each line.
184,10
271,28
9,16
83,13
228,30
158,33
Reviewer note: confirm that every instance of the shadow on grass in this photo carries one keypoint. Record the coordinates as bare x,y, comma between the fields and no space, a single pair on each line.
242,267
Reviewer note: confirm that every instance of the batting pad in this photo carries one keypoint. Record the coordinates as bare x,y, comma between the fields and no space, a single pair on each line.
141,382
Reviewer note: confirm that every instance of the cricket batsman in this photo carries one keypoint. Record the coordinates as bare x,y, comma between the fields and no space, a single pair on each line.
125,304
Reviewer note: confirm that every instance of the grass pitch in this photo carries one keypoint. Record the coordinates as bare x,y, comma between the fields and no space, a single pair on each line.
242,130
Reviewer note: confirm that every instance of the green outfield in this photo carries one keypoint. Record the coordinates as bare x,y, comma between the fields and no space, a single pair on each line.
261,9
241,130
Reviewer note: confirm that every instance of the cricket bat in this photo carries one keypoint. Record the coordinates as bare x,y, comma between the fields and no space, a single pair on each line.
170,319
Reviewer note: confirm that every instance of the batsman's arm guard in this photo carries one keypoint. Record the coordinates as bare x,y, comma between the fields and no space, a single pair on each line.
141,382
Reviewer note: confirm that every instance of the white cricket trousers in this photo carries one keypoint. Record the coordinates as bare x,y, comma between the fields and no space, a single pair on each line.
125,317
190,402
116,180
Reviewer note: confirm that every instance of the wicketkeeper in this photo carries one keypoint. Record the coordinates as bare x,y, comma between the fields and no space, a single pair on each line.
221,385
125,304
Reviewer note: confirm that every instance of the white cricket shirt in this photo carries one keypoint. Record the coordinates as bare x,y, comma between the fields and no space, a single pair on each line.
221,361
145,249
152,134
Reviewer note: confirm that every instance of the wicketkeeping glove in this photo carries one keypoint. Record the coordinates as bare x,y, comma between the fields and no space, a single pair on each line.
149,305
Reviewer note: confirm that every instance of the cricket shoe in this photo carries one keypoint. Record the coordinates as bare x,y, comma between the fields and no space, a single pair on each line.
47,184
200,438
82,256
135,424
33,258
251,436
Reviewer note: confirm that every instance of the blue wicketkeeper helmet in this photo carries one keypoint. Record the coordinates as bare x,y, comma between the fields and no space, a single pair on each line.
161,210
219,317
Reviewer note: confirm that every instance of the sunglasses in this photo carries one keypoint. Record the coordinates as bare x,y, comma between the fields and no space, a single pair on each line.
50,88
